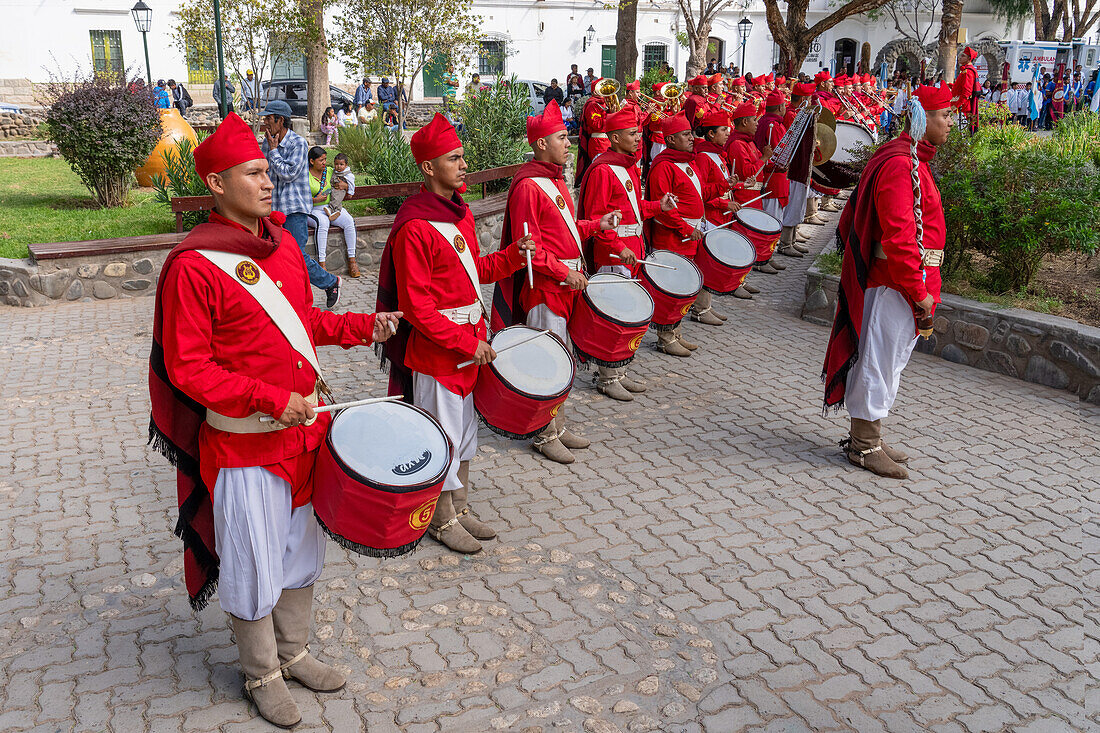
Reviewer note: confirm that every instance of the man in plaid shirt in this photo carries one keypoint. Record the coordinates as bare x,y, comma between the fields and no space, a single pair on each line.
287,156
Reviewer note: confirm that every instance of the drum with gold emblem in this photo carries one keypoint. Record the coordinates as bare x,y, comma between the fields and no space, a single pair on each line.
378,476
609,320
725,258
673,288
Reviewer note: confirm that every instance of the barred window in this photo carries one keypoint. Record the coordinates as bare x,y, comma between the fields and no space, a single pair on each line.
490,58
653,55
107,53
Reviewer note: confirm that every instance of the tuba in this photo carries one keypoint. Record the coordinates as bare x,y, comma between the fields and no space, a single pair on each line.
608,91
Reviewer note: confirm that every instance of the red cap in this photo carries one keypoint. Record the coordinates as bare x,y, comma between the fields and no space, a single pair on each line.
970,53
934,98
434,139
803,90
657,87
714,80
676,123
621,120
775,99
231,144
698,81
822,75
745,109
769,79
780,80
634,86
549,122
715,118
840,80
738,82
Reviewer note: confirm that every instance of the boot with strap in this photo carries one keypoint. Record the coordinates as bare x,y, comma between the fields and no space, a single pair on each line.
264,683
766,268
568,438
291,618
459,500
864,449
446,528
679,331
667,343
708,302
812,216
800,236
702,311
828,203
898,456
632,385
752,289
786,243
609,382
549,444
776,264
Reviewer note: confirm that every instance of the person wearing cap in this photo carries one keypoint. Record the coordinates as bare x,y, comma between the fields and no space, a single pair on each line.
432,271
288,159
769,131
219,363
798,173
248,91
612,184
540,202
590,80
592,139
387,94
695,106
824,93
746,163
966,91
632,101
892,232
717,175
652,129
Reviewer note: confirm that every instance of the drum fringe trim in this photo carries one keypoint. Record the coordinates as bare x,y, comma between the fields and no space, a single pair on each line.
507,434
365,550
584,359
720,292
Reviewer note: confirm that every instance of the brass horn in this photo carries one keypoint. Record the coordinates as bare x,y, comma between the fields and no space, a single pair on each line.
608,91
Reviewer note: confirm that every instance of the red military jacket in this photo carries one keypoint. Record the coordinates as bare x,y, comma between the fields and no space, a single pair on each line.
677,173
714,168
654,123
695,109
602,192
223,351
592,119
769,132
430,278
901,269
745,160
965,87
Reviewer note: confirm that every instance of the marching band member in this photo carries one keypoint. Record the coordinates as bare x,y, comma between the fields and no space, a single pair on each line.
746,162
798,175
966,90
632,101
591,140
653,125
893,234
539,200
234,334
714,169
769,131
695,105
824,93
433,268
611,184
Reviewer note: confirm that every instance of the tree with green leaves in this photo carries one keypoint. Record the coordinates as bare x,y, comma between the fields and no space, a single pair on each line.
698,20
794,37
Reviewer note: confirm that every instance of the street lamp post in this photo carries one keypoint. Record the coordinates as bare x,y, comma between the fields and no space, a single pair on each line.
744,28
222,93
589,38
143,19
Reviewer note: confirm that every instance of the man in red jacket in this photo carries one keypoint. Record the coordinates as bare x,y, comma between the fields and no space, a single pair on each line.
769,131
540,203
611,184
433,265
592,138
234,334
966,91
890,277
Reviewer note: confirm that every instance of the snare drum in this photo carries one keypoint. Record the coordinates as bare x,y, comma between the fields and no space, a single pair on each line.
519,393
608,321
760,228
673,291
725,258
378,475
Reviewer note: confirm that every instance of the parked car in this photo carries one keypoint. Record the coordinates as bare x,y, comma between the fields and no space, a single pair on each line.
293,92
535,90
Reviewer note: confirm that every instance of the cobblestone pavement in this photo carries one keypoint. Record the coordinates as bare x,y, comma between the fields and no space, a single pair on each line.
712,563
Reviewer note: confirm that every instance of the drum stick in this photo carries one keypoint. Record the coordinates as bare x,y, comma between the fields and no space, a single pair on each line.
344,405
731,221
530,270
651,263
532,337
616,281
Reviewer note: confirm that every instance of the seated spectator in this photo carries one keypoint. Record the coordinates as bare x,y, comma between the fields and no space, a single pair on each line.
161,96
391,120
328,126
344,118
387,94
321,184
568,117
181,98
367,113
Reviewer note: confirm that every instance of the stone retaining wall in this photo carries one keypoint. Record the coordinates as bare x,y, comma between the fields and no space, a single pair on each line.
1049,350
27,149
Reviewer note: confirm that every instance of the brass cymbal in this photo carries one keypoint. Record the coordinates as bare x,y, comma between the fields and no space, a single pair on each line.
826,117
826,144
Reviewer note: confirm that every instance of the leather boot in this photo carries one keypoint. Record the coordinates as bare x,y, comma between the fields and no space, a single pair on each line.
459,500
896,455
812,215
549,444
864,449
291,618
752,290
568,438
446,528
801,248
609,382
667,343
353,268
776,264
828,203
264,683
631,385
706,301
703,312
679,331
800,236
786,243
766,268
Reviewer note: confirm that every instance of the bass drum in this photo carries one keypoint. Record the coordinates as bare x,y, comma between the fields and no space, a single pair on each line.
725,258
673,291
609,320
849,136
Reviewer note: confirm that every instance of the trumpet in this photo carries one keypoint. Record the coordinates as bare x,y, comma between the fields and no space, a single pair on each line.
608,91
716,100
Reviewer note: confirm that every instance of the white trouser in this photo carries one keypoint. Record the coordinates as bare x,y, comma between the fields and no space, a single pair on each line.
344,221
795,211
456,415
615,269
886,342
542,317
771,206
264,545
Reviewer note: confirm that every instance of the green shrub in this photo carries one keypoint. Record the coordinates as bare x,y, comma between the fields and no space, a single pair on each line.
104,128
494,128
379,156
654,76
182,180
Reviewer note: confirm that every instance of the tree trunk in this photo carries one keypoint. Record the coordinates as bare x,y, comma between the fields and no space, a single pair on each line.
950,21
319,97
698,45
626,41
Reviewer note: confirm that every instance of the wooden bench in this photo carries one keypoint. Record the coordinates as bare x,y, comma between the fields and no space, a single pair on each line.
185,204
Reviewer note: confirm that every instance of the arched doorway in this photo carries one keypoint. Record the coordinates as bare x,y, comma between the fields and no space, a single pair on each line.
845,52
716,49
900,55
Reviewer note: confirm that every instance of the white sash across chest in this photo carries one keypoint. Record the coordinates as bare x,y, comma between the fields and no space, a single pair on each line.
552,192
451,233
631,190
686,169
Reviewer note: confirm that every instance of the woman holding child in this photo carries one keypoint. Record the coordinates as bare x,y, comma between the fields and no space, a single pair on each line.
329,186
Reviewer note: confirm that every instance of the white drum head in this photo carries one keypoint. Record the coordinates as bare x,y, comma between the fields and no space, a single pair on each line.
540,367
390,443
730,248
758,220
848,137
685,280
623,302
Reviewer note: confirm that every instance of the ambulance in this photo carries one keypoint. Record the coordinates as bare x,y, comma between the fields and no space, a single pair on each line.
1030,59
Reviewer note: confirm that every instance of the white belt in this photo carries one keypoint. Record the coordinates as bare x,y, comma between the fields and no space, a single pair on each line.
466,314
695,223
572,264
628,230
601,135
250,424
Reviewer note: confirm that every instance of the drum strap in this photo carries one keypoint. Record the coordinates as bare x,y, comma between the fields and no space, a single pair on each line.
631,190
692,176
465,255
269,297
553,193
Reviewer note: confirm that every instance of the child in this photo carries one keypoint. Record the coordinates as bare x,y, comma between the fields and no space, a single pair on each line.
391,119
328,126
340,172
567,115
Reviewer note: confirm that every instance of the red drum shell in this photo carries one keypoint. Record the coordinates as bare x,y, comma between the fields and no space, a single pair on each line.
668,308
719,277
600,339
510,411
765,242
369,517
